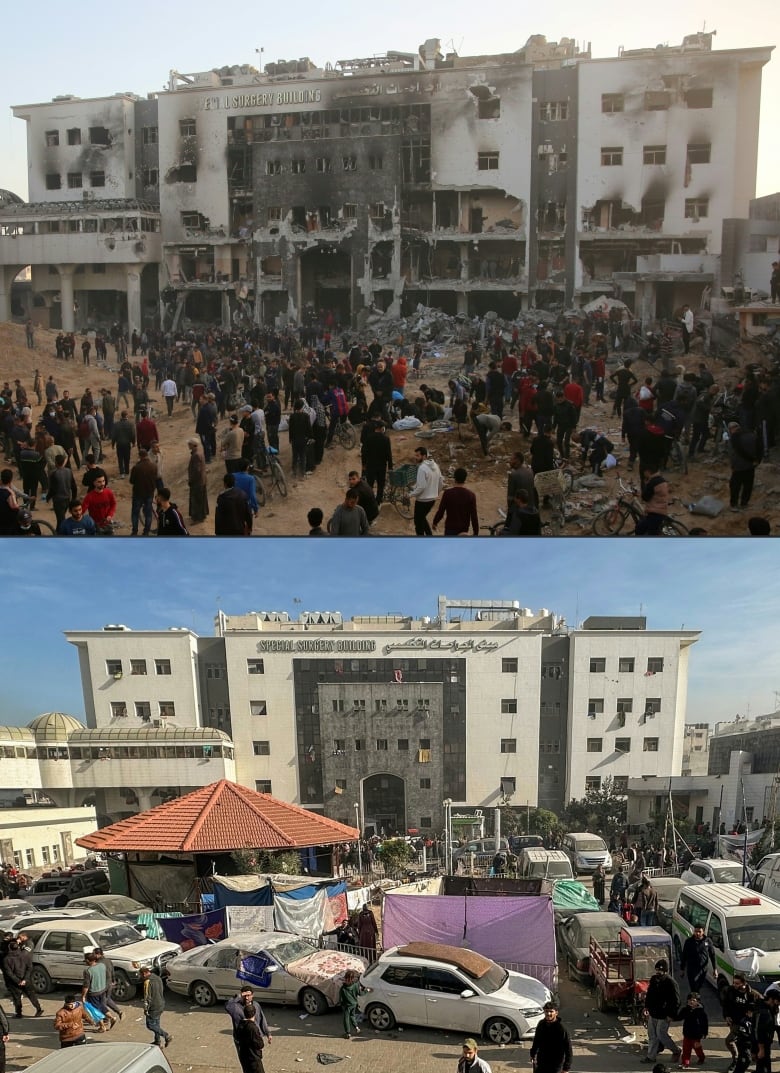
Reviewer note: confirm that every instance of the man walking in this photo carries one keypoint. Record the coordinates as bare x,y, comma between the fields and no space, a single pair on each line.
426,490
551,1047
458,507
349,518
170,393
698,954
154,1006
143,478
377,457
16,966
236,1009
469,1061
662,1003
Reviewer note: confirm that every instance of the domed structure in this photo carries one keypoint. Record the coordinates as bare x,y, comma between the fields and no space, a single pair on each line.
54,726
8,197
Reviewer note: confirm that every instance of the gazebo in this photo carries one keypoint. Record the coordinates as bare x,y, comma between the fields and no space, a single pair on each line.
169,848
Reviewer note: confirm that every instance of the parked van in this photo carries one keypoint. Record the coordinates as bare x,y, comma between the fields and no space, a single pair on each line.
107,1058
544,864
586,852
766,878
744,928
57,891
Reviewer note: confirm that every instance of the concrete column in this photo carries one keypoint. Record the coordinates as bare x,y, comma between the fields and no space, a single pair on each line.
225,310
8,274
66,297
463,303
133,278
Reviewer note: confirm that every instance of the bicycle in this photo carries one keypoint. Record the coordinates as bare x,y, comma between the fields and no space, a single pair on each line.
676,458
552,487
273,470
345,434
401,481
47,529
611,521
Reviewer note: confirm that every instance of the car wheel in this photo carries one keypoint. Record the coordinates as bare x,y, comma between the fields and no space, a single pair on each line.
499,1031
40,980
313,1001
202,994
380,1017
124,988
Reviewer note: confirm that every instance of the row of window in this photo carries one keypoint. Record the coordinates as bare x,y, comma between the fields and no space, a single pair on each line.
658,100
696,153
166,709
341,784
622,745
74,180
137,666
95,136
619,783
29,860
627,665
150,752
402,704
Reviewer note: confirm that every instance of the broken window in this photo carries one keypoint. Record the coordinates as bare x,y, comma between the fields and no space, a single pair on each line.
273,167
487,161
349,163
298,166
377,210
699,154
697,208
185,173
489,108
551,216
99,136
553,110
654,154
375,162
97,178
416,160
192,219
350,211
74,136
274,212
75,180
150,177
53,181
52,137
698,98
612,102
657,100
611,155
187,128
91,226
323,164
149,135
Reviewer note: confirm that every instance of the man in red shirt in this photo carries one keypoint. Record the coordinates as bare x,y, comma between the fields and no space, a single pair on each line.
459,504
576,396
146,431
100,504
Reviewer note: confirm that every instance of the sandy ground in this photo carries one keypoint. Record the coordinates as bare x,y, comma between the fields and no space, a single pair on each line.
324,488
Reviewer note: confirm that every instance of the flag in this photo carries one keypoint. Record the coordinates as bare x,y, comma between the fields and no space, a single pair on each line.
398,677
254,969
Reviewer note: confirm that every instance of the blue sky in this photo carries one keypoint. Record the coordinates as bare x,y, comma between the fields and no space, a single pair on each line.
729,589
96,49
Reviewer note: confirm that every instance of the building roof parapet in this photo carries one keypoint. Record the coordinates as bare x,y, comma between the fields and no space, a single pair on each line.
91,207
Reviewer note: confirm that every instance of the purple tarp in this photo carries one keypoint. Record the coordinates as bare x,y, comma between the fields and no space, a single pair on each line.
516,931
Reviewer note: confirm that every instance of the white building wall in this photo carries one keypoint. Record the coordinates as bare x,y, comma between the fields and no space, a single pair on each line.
667,726
101,688
27,831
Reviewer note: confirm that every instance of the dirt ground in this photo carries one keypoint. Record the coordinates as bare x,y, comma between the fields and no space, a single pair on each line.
324,488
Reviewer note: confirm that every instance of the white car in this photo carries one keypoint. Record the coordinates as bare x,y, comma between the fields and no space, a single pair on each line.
451,988
713,870
298,973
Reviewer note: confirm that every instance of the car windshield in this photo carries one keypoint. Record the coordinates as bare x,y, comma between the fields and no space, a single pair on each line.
602,933
763,934
590,845
493,979
9,911
120,935
558,870
645,958
284,953
728,873
117,903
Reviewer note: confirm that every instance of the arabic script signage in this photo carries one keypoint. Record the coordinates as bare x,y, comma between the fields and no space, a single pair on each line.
438,644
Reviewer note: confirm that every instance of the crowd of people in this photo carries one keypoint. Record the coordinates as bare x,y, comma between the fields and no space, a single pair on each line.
246,388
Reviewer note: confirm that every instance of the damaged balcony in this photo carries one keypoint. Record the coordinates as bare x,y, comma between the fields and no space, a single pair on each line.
482,213
611,220
675,267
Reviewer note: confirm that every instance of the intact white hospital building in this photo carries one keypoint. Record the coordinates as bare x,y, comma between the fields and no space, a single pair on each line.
484,702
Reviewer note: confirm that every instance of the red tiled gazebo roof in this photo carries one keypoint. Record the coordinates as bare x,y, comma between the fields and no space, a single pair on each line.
220,817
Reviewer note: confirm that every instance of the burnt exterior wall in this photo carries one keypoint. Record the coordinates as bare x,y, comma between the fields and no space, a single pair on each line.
147,153
553,722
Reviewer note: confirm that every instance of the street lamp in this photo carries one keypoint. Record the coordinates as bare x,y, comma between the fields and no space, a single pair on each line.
447,803
357,824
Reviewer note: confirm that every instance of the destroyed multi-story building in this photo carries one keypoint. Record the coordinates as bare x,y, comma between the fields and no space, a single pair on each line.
540,177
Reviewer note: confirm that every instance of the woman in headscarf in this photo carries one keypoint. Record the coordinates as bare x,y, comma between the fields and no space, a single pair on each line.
196,475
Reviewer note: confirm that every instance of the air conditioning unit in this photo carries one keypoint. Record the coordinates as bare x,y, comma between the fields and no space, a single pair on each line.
157,722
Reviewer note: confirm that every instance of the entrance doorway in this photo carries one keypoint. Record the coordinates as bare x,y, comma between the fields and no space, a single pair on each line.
384,804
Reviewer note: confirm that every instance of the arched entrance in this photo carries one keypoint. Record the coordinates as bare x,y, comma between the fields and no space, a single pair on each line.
384,804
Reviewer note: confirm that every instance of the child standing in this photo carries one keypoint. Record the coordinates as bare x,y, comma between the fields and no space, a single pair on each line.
695,1028
348,997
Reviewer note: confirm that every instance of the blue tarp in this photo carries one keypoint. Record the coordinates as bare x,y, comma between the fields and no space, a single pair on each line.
259,896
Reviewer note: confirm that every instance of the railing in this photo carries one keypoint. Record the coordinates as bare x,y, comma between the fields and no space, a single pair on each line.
548,974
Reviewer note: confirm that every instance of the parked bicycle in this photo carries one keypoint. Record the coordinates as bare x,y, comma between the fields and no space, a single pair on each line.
400,483
345,435
612,520
272,472
552,487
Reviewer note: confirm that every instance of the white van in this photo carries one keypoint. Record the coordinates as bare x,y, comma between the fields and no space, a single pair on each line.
544,864
105,1058
586,852
744,928
766,878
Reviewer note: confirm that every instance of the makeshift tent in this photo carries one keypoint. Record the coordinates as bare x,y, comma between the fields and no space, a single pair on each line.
570,895
517,931
308,908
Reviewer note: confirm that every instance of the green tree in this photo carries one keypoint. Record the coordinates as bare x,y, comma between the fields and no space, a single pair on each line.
260,861
524,821
600,810
394,854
